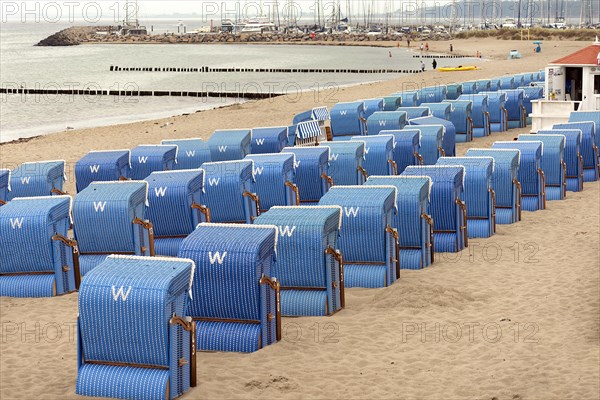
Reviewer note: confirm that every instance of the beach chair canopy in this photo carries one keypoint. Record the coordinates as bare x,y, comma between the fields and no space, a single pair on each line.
373,105
392,102
275,179
312,171
410,98
415,112
573,158
101,166
552,163
347,119
449,138
589,149
431,142
507,82
269,140
453,91
228,145
34,179
407,144
433,94
346,160
4,185
439,110
470,87
146,159
379,154
386,120
191,153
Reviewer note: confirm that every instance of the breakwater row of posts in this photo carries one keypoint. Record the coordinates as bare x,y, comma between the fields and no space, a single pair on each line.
115,68
143,93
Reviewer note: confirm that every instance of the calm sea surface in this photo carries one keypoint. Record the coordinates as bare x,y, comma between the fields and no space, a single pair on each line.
87,66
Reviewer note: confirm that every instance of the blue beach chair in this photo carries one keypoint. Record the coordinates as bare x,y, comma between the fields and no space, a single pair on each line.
373,105
37,259
34,179
348,119
4,185
497,110
269,140
505,182
407,145
275,179
392,102
573,157
433,94
520,80
229,191
448,209
346,160
386,120
368,240
531,176
531,93
319,116
479,115
454,91
589,116
134,339
110,218
175,208
307,133
484,85
461,118
146,159
191,153
440,110
432,137
230,145
449,137
312,172
469,87
479,195
102,166
410,98
413,222
309,265
379,154
589,150
235,301
507,83
495,84
517,114
552,163
415,112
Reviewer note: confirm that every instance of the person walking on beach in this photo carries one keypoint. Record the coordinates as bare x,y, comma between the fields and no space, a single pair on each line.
422,66
390,54
421,47
407,42
434,64
451,48
426,46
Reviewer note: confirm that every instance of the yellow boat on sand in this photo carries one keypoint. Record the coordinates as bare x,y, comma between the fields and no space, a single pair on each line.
459,68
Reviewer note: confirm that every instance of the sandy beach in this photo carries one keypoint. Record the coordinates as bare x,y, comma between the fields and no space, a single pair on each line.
513,317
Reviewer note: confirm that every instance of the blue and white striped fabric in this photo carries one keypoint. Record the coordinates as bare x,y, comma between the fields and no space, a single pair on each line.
449,137
312,171
275,179
589,150
320,114
174,199
311,279
480,114
229,191
589,116
367,238
531,93
461,118
308,130
347,119
484,85
104,220
552,163
573,157
531,175
32,262
495,84
102,166
505,182
412,219
507,83
34,179
346,160
379,154
415,112
386,120
410,98
520,80
454,91
432,137
433,94
392,102
4,185
234,308
525,78
146,159
129,343
192,153
440,110
497,110
517,117
469,87
407,145
373,105
269,140
447,207
228,145
479,195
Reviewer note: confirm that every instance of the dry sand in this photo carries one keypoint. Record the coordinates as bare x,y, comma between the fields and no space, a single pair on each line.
511,317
